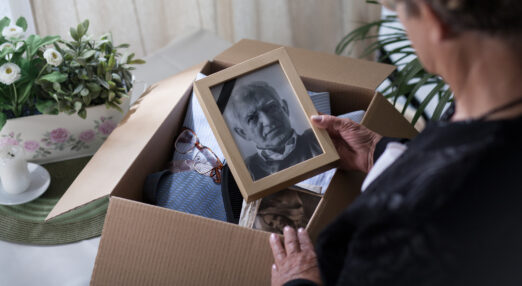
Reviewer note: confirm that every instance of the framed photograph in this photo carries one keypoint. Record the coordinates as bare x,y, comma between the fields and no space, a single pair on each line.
259,111
287,207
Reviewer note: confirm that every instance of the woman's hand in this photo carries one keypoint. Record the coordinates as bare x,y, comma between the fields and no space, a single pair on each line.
295,260
354,142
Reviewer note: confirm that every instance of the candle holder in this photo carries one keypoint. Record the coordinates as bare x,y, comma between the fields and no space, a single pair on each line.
20,181
14,173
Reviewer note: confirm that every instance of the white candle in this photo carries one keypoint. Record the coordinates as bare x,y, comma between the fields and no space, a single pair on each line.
13,170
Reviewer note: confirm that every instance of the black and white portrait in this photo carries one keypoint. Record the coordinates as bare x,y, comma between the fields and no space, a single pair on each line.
265,118
287,207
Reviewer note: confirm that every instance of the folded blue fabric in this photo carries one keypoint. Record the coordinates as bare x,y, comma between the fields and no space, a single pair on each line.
188,192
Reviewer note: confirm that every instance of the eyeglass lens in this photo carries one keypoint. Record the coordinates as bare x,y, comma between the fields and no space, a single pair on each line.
205,161
185,141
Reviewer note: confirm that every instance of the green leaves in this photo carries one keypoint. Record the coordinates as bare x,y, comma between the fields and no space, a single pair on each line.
80,30
54,77
137,62
47,107
26,92
77,106
87,54
93,72
34,42
22,23
111,63
6,51
410,77
4,23
82,113
3,119
74,34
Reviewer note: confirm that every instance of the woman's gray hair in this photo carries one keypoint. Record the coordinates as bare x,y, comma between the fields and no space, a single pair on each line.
494,17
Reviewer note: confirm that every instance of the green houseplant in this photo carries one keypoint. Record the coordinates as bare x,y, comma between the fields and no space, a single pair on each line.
21,64
393,47
45,81
93,73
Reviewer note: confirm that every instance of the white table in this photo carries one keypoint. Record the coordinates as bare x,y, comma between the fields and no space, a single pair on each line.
72,264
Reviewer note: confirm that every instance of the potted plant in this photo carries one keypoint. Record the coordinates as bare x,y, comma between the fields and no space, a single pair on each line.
393,47
60,98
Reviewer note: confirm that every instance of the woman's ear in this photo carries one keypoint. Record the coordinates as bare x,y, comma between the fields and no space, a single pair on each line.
438,30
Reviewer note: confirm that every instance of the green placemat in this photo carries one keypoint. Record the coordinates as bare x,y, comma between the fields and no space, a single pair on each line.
25,223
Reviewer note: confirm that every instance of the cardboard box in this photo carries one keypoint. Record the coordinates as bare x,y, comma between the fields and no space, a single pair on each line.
143,244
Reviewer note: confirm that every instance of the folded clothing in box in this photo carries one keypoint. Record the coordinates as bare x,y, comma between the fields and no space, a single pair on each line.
189,191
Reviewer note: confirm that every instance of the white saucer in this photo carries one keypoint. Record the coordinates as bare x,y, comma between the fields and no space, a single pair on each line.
40,180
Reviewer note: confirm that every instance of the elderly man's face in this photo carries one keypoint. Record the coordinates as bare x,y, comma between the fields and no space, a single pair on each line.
263,119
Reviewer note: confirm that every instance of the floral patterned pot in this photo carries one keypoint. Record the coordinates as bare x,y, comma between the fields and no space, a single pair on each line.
50,138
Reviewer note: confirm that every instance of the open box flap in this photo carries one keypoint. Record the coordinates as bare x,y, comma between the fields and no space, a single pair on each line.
111,162
382,117
148,245
344,188
317,65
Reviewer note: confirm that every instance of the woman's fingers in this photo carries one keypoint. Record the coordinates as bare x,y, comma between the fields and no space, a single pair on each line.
334,125
299,259
291,244
319,120
304,240
291,241
277,248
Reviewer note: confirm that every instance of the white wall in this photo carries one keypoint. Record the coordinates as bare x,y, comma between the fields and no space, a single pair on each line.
148,25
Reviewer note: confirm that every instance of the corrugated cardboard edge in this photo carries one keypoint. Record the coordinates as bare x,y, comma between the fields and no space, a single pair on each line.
342,191
131,136
208,252
386,120
345,70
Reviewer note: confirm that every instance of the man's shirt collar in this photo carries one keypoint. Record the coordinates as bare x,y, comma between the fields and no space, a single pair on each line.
269,155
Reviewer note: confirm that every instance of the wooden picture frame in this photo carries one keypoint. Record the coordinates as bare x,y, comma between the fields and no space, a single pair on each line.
292,207
236,104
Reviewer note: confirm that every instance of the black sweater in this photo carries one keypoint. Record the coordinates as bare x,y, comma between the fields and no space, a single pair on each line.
447,212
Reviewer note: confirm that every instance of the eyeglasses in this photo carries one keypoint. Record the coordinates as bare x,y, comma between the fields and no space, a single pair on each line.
389,4
205,162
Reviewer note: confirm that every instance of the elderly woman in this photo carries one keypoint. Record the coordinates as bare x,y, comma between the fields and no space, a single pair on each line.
448,209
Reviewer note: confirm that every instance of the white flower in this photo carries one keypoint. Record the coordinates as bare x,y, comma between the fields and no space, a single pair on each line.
9,73
7,45
53,57
12,31
19,45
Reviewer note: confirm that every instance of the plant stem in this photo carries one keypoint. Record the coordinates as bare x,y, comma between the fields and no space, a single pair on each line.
15,105
41,71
